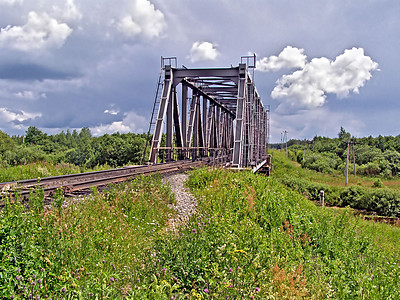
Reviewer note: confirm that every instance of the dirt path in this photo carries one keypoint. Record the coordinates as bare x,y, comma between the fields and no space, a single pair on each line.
185,202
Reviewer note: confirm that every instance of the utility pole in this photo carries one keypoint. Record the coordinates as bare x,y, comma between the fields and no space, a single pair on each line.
354,157
284,140
351,142
347,161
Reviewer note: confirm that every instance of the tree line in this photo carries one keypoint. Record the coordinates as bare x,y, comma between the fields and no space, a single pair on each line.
375,156
81,149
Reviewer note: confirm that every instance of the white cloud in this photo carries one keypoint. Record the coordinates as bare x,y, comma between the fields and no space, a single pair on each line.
68,12
40,31
9,116
202,51
290,57
143,18
111,112
26,95
308,88
132,122
11,2
127,26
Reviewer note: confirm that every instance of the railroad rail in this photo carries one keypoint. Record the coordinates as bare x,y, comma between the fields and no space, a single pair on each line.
76,182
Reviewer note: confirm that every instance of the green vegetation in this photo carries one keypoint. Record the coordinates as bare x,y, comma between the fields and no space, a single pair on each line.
80,149
369,195
97,247
251,237
378,156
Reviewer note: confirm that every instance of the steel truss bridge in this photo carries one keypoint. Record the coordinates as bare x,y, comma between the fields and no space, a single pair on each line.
219,115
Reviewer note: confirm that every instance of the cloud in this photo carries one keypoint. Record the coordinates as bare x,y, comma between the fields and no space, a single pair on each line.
290,57
111,112
143,18
68,12
15,119
11,2
320,121
32,71
41,31
202,51
308,88
131,122
26,95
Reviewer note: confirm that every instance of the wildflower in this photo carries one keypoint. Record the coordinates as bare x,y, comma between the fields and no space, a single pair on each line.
230,270
206,290
257,289
63,290
194,230
39,280
42,269
90,294
112,279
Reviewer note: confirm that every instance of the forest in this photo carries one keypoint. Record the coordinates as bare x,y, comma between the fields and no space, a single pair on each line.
80,149
371,156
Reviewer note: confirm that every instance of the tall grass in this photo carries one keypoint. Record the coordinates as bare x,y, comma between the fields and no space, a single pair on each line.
95,247
251,238
42,169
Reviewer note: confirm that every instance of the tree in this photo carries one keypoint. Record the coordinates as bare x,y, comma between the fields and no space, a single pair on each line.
6,143
34,135
343,134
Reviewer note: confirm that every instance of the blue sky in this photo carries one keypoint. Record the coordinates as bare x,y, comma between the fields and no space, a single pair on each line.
69,64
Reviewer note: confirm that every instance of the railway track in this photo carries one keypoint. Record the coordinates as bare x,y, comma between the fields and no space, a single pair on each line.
77,182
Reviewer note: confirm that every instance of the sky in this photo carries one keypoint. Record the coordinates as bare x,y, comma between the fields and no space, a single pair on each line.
68,64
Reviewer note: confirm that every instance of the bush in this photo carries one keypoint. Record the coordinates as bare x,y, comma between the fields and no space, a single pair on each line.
383,201
378,183
370,168
23,155
321,162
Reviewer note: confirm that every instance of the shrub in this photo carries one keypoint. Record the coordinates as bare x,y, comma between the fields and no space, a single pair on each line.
322,162
378,183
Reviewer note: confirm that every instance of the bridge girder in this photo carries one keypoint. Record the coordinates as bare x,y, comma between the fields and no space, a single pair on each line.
222,116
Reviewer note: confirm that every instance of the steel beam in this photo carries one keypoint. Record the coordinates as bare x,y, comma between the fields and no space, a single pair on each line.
224,119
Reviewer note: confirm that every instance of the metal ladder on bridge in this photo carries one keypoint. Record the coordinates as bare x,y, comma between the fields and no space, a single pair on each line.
157,99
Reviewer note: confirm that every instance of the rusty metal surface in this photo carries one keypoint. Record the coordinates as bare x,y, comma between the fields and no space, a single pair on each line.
76,182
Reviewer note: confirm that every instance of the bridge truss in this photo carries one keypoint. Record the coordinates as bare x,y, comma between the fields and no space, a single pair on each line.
219,115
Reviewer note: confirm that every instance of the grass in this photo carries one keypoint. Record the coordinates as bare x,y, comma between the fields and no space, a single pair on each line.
251,238
366,195
94,247
337,179
40,170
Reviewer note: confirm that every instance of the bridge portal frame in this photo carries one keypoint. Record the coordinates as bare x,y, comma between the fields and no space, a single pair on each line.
221,116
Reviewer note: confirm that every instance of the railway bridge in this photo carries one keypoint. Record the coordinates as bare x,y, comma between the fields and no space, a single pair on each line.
209,112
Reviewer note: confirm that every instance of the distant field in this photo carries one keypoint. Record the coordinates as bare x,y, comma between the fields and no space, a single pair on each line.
337,179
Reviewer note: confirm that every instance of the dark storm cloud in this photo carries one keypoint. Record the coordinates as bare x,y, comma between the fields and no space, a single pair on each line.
33,72
75,63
